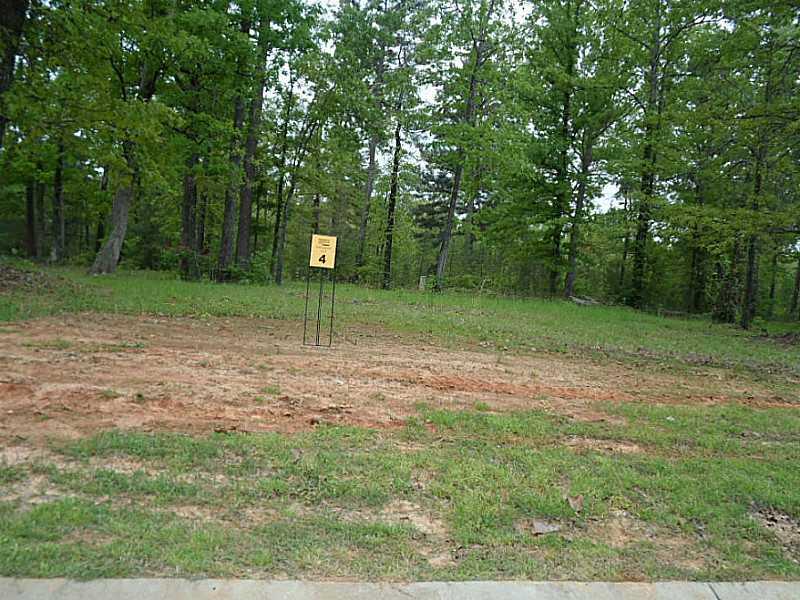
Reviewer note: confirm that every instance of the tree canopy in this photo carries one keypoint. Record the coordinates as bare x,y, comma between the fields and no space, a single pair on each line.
641,152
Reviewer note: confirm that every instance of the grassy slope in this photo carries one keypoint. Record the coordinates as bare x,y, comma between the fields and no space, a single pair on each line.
451,318
314,504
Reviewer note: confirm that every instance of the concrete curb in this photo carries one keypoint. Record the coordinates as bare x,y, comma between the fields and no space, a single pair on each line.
219,589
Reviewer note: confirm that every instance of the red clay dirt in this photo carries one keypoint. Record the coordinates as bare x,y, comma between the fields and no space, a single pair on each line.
75,375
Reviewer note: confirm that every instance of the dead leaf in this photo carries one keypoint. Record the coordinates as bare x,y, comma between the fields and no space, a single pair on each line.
575,502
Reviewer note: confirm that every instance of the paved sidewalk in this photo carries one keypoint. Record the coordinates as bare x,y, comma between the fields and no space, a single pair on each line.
215,589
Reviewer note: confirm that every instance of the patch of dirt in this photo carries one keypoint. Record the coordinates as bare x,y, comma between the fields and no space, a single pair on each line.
613,446
32,490
621,530
402,511
17,455
123,465
434,540
782,526
87,537
786,339
72,376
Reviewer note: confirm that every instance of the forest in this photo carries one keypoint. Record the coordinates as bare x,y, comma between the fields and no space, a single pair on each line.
641,152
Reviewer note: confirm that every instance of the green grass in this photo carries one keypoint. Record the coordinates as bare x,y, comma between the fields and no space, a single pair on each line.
452,318
320,504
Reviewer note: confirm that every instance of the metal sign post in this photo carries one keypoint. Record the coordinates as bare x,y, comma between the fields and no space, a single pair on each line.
322,261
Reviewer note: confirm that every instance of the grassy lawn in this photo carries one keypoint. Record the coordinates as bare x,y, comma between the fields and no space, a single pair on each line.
450,496
664,491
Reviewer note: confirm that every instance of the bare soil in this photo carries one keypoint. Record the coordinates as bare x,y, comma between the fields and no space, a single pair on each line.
75,375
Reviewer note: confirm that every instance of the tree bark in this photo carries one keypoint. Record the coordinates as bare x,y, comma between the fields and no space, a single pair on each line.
226,246
727,303
258,201
647,181
317,212
749,302
59,224
41,231
625,242
280,250
793,309
100,230
31,243
13,14
246,196
108,257
372,173
243,250
387,248
772,283
281,184
467,118
750,299
699,257
189,248
309,131
447,233
697,282
372,165
563,189
200,240
575,231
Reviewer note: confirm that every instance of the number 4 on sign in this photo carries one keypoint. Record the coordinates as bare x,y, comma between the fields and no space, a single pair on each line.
323,251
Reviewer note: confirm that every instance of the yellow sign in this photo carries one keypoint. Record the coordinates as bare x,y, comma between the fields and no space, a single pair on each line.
323,251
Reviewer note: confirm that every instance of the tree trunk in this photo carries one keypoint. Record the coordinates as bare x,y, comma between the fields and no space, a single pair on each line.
387,248
625,243
772,283
447,233
372,173
276,228
243,251
467,118
699,257
41,231
100,229
727,303
229,215
200,240
31,243
279,200
563,190
317,212
575,231
59,224
259,201
750,300
697,282
108,257
793,309
280,250
648,175
246,196
189,267
12,21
